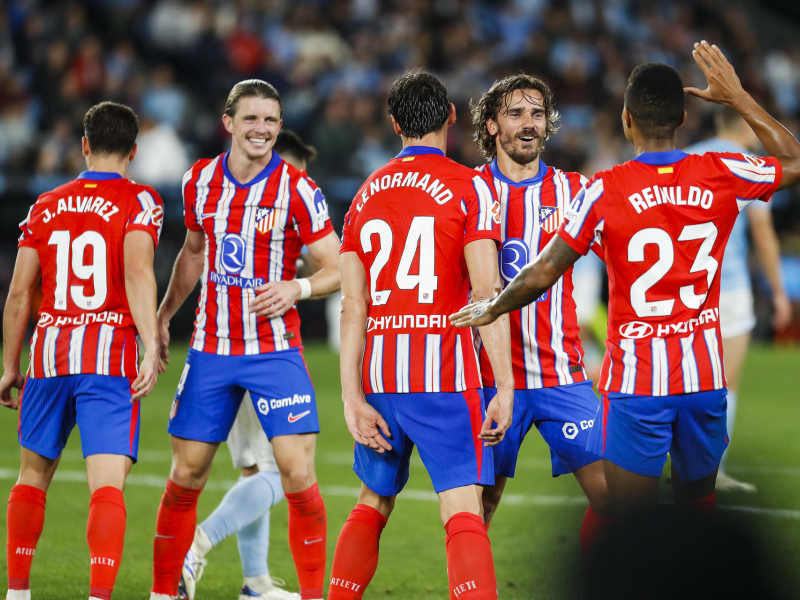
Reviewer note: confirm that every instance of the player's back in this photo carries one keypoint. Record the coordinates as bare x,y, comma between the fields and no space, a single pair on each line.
409,224
78,230
663,221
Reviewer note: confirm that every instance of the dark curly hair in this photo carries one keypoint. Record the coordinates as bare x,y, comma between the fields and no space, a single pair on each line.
497,99
418,102
655,99
111,128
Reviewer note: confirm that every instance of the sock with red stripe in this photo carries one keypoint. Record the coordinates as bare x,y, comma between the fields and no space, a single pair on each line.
308,527
706,505
593,527
175,523
356,558
25,521
470,566
105,533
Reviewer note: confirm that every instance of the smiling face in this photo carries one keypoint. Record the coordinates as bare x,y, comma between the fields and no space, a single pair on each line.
520,126
254,126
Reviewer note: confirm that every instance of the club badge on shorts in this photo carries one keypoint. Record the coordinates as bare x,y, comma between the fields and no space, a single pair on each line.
549,218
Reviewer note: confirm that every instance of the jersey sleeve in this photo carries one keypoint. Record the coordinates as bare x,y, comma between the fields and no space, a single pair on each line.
482,211
26,239
146,214
347,236
189,192
585,218
750,177
310,211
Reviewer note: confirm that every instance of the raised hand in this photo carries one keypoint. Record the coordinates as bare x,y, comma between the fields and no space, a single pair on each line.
474,315
724,86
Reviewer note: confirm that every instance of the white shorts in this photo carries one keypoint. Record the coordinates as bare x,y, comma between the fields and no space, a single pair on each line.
736,316
247,442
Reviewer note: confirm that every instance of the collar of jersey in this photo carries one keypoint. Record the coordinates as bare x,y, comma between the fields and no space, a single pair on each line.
661,158
99,175
525,182
418,150
265,172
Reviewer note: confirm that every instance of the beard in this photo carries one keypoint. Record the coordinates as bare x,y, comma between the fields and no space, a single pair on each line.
520,153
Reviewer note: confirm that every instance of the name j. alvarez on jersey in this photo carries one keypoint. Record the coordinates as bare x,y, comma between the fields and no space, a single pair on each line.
83,204
436,189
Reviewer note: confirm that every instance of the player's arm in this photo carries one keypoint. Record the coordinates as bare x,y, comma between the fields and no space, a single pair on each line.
484,277
364,422
185,274
27,273
768,250
724,87
276,297
529,284
140,288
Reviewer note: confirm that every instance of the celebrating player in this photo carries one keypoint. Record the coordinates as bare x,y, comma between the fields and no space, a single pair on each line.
736,316
420,232
92,243
663,220
512,121
248,213
245,508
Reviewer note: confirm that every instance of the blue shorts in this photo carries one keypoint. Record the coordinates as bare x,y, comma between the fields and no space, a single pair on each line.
564,415
99,404
444,426
212,387
637,432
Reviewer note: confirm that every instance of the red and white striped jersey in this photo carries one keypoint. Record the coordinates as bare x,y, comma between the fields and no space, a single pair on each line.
254,233
409,224
663,220
545,348
78,229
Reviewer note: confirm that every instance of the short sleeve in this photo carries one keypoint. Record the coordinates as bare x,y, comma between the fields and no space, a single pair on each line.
189,192
26,239
585,218
347,236
482,211
750,177
310,211
146,214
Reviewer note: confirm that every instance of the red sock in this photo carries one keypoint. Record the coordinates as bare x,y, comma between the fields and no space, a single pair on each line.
470,566
592,528
25,523
705,506
308,528
175,523
105,533
356,556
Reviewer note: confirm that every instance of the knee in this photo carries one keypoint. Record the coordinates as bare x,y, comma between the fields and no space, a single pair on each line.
297,478
189,475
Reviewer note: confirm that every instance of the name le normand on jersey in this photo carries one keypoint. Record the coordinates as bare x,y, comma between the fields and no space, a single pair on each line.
434,188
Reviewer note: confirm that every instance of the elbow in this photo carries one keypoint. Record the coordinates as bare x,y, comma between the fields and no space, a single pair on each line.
485,292
353,307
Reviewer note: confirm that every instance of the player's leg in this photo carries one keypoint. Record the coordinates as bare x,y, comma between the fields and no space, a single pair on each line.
491,498
383,476
697,495
47,416
735,351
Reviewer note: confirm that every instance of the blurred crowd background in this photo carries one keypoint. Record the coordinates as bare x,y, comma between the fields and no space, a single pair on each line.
333,61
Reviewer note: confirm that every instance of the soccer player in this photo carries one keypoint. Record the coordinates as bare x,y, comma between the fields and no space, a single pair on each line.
248,213
245,508
736,316
512,121
420,232
91,241
663,220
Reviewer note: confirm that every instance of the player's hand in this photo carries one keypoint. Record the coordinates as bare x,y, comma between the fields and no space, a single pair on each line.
783,311
500,411
366,424
474,315
11,379
724,86
148,375
275,298
163,345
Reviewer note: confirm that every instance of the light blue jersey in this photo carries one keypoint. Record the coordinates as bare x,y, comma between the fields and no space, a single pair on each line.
734,273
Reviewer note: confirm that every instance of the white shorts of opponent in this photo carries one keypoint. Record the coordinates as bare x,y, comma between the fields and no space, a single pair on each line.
736,315
247,442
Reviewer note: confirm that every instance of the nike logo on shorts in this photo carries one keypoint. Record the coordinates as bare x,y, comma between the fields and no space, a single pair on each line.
293,418
314,541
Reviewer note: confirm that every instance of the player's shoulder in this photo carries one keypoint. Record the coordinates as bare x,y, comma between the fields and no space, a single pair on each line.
575,179
200,166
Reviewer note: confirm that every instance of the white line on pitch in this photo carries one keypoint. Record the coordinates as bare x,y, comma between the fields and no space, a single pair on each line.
155,481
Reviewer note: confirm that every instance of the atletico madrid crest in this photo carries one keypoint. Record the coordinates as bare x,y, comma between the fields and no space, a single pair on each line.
265,219
549,218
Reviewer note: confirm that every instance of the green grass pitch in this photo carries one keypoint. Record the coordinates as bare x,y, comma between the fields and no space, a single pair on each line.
534,535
